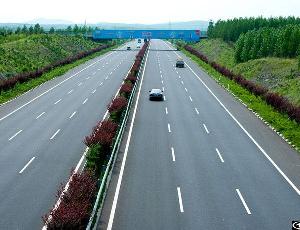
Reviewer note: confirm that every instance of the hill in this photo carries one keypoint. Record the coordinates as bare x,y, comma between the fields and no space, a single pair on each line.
277,74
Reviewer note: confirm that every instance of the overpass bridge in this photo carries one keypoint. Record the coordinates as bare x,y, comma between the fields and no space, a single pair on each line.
187,35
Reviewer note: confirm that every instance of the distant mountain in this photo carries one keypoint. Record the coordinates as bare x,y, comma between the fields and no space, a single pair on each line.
45,21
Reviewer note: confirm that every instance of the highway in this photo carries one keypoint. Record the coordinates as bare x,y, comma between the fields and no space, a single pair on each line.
42,135
199,159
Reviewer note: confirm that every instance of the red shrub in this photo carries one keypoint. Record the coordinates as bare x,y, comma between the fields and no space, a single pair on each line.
76,203
118,104
126,88
131,78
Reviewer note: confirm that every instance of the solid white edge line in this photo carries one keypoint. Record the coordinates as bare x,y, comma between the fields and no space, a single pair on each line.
40,115
169,128
73,114
51,138
220,156
70,91
12,137
180,199
243,201
197,111
94,91
246,132
205,128
55,86
173,154
29,162
116,196
167,110
191,99
185,89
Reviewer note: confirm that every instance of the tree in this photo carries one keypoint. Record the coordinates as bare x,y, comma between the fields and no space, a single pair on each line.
24,29
30,30
210,28
52,30
18,30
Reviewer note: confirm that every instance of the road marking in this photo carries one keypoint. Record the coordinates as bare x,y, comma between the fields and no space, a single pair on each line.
160,71
80,83
51,138
163,88
167,110
101,83
111,73
85,101
29,162
162,82
161,76
40,115
106,77
180,199
185,89
57,101
243,201
173,154
220,156
12,137
169,128
246,132
102,66
116,196
197,111
94,91
55,86
70,91
179,77
205,128
165,98
182,82
191,99
87,78
73,114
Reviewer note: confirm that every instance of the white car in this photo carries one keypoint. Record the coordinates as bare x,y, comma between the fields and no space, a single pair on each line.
138,46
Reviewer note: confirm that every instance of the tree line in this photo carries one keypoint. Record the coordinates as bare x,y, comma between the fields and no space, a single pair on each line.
37,29
279,42
230,30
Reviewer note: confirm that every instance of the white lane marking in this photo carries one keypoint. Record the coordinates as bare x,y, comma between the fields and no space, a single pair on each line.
197,111
243,201
51,138
179,77
173,154
101,83
167,110
102,66
162,82
55,86
87,78
205,128
29,162
111,73
191,99
106,77
85,101
246,132
185,89
169,128
182,82
220,156
73,114
161,76
163,88
57,101
94,91
40,115
116,196
12,137
70,91
160,71
165,98
80,83
180,199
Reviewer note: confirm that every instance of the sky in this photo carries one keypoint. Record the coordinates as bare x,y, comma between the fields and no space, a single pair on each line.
145,12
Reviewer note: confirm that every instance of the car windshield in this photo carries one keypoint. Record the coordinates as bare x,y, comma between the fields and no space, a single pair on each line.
155,91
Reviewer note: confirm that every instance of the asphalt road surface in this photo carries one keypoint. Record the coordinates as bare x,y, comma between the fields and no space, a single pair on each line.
42,135
199,159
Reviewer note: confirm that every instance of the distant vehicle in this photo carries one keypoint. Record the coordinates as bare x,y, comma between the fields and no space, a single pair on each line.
138,45
128,48
145,39
139,40
179,63
156,94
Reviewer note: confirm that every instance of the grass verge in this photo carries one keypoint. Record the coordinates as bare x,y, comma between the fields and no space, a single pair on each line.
280,122
19,89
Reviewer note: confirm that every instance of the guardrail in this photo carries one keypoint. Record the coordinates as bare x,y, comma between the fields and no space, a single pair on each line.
107,175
